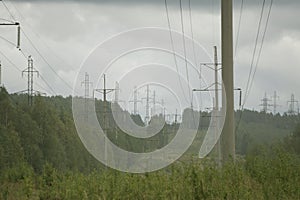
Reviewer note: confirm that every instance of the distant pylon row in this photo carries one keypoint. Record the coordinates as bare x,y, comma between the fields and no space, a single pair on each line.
149,99
293,105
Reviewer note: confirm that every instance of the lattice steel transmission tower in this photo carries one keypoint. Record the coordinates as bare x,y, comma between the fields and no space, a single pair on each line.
293,106
30,75
275,105
265,103
86,83
147,116
135,101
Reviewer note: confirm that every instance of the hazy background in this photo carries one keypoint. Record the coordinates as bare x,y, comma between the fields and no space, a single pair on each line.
65,32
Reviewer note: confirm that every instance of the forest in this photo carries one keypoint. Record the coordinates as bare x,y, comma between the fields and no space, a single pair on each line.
42,157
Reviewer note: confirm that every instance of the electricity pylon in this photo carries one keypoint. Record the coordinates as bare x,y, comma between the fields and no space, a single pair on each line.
292,106
104,91
265,104
216,84
275,105
135,101
30,74
86,83
147,98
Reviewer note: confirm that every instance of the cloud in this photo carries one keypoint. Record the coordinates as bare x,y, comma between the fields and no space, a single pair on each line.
72,28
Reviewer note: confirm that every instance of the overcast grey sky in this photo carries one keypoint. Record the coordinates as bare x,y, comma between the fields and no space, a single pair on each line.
65,32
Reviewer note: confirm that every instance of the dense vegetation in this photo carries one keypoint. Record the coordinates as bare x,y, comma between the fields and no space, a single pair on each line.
41,157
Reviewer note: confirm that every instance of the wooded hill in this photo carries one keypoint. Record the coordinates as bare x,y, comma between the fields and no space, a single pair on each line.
45,133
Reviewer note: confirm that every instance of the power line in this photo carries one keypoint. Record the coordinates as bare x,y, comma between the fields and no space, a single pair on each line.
48,85
39,53
6,20
48,64
22,52
17,68
173,46
8,41
11,23
192,32
251,66
38,36
239,26
262,42
254,51
257,61
11,15
184,48
42,88
14,65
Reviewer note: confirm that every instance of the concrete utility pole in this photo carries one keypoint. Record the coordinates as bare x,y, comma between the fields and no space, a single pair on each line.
0,74
216,78
105,91
30,74
216,107
227,137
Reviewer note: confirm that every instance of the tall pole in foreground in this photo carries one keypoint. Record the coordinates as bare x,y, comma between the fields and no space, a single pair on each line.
227,137
0,75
